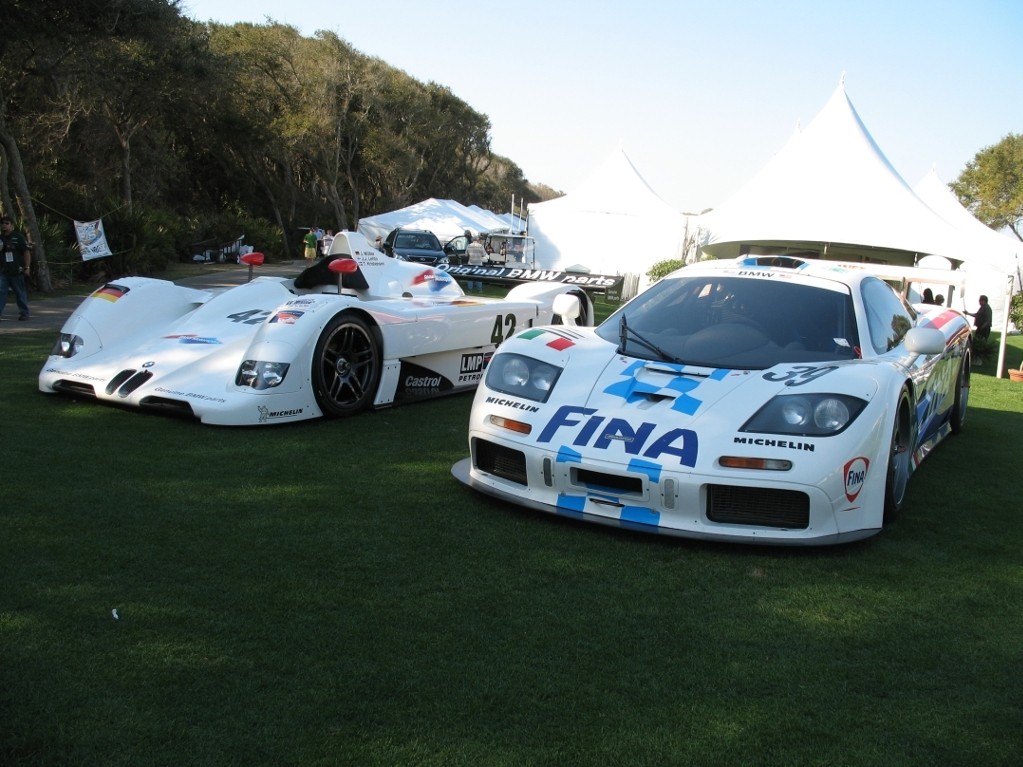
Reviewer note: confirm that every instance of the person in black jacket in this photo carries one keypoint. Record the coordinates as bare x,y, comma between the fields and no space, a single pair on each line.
15,266
981,328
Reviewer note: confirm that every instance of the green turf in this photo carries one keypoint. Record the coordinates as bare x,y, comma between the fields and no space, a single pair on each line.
327,593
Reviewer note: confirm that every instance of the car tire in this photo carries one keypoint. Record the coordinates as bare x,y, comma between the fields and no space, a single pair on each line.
962,396
900,455
346,366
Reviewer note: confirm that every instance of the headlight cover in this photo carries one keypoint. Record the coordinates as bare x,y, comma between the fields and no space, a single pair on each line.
521,376
806,415
67,345
259,375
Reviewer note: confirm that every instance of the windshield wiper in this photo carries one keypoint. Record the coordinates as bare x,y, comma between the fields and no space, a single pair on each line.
625,332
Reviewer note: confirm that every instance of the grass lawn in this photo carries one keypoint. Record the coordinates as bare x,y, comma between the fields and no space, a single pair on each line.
326,593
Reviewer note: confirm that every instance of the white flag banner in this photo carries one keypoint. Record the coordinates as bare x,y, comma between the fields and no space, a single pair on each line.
92,241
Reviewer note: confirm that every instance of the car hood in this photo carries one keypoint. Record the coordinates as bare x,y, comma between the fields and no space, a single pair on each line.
419,253
599,382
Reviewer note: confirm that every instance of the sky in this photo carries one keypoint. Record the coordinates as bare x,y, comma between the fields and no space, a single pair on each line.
699,95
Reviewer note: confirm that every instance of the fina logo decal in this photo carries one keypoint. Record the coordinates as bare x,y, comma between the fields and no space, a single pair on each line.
855,476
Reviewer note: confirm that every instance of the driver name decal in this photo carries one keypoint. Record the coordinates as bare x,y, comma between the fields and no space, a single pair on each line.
583,426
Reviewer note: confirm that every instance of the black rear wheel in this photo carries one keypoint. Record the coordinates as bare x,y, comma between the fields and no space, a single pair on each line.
346,366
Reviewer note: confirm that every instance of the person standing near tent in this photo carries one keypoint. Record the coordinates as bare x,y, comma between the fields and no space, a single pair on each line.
476,255
981,327
310,244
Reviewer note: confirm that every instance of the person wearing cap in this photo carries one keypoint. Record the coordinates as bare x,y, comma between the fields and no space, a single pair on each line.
15,266
476,256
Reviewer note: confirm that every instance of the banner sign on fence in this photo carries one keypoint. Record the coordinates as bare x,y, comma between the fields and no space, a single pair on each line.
525,274
92,241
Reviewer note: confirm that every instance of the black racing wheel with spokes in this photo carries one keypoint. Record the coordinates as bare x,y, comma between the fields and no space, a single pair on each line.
346,365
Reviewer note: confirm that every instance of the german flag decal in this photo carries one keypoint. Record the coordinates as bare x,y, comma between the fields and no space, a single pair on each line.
110,292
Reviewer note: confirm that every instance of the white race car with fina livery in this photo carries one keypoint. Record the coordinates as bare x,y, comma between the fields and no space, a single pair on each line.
765,400
355,330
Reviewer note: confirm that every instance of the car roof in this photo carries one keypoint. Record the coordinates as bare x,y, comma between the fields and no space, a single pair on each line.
848,273
403,230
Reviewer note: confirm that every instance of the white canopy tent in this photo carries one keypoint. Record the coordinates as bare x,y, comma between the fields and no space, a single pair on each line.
445,218
613,223
830,191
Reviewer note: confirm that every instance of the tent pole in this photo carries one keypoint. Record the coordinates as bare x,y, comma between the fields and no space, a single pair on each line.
1010,283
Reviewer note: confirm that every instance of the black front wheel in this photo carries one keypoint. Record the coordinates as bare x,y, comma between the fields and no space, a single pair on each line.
900,456
346,366
962,396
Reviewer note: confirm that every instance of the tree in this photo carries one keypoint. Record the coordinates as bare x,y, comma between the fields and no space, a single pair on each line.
41,48
991,185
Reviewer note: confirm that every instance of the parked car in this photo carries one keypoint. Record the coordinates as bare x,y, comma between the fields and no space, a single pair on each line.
418,245
354,331
762,400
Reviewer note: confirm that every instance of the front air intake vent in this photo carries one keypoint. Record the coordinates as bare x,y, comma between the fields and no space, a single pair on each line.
598,481
760,507
500,461
133,383
74,388
168,406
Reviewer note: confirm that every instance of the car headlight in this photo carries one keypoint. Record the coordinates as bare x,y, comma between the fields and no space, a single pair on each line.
806,415
522,376
68,345
258,374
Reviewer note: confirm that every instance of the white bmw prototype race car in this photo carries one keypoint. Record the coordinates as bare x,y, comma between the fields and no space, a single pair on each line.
762,400
355,330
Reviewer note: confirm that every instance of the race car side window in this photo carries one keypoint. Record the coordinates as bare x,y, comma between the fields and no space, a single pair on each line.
888,319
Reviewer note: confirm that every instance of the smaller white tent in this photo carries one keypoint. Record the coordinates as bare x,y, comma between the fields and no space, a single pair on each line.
613,223
445,218
993,266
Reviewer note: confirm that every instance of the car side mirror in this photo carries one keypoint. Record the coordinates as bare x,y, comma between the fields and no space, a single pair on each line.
924,341
568,307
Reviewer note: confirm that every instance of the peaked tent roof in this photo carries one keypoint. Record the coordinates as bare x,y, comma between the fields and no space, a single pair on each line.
445,218
831,184
992,249
611,223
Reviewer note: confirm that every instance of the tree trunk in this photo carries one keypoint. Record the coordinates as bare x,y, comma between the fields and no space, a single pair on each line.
24,202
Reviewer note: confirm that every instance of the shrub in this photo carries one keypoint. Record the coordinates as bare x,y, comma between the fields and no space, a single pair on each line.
1016,311
664,268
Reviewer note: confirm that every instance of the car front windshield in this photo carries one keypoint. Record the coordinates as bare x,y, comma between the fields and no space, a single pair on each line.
730,321
417,241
